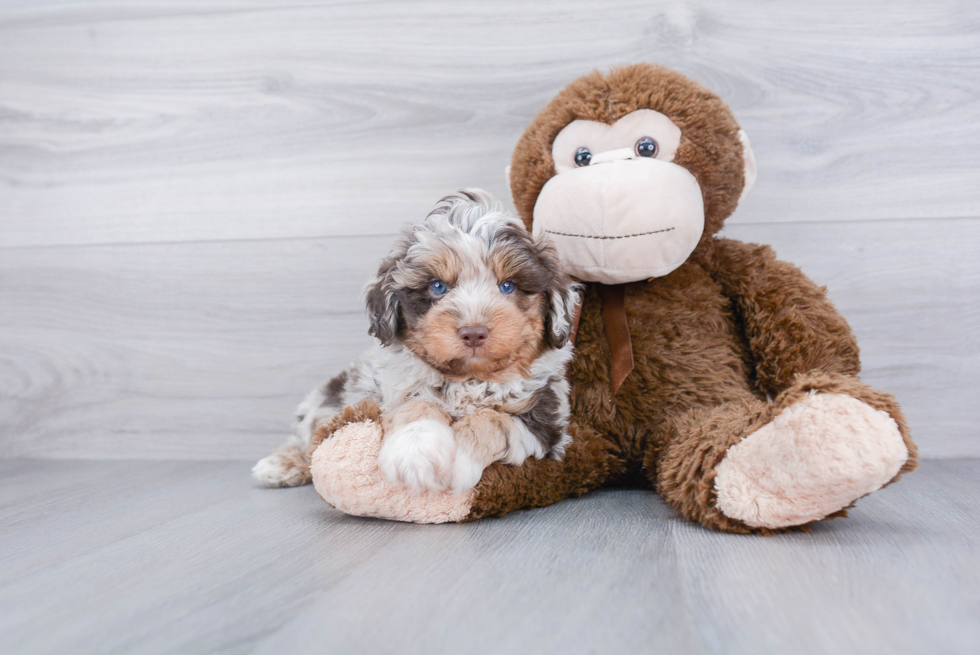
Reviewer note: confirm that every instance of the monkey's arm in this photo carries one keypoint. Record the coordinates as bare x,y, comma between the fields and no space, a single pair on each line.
790,324
345,472
589,462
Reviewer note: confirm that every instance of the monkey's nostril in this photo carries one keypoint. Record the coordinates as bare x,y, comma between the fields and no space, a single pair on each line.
473,335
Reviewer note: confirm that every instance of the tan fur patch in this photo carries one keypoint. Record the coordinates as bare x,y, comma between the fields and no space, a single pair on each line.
437,338
515,340
505,263
527,327
445,264
411,411
483,434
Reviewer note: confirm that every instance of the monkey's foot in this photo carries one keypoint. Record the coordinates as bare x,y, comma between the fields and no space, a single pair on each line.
815,458
346,474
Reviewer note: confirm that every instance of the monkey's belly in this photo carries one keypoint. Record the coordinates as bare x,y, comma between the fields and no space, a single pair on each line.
688,351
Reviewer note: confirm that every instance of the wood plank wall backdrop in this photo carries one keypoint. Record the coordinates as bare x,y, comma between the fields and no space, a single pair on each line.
193,193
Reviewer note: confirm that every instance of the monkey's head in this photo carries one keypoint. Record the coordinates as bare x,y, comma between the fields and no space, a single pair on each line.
628,171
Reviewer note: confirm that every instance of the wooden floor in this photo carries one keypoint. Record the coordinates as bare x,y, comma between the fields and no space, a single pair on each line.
191,557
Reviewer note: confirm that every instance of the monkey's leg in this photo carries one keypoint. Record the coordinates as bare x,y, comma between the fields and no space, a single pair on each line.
751,466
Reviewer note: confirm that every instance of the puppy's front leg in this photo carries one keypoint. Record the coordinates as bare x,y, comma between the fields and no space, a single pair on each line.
418,447
482,438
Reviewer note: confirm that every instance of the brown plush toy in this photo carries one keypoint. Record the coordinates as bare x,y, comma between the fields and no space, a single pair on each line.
704,368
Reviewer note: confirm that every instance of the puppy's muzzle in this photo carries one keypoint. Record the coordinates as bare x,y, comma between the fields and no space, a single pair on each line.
474,336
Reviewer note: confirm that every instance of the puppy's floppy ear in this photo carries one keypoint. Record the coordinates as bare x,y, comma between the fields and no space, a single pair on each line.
561,297
383,307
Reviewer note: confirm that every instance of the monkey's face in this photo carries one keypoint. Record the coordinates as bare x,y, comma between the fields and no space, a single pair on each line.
619,209
626,172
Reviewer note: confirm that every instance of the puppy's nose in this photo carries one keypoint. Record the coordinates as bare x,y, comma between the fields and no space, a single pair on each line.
474,335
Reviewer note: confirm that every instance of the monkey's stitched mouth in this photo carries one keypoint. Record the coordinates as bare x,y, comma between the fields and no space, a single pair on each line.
623,236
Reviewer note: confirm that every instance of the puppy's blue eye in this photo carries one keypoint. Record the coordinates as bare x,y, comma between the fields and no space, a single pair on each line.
439,288
506,287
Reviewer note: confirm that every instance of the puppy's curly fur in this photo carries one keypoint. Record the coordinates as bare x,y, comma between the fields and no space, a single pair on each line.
473,316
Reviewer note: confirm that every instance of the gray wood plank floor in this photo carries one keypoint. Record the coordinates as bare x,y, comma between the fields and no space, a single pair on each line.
190,557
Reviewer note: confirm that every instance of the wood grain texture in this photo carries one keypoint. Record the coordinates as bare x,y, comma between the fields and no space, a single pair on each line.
197,350
202,350
178,557
246,120
192,194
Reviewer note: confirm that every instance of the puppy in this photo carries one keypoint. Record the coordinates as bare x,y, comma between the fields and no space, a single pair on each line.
473,316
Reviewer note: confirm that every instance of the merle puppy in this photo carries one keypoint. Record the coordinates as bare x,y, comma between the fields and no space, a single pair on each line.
474,319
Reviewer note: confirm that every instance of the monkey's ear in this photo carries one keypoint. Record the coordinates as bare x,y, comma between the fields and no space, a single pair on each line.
382,303
507,175
751,172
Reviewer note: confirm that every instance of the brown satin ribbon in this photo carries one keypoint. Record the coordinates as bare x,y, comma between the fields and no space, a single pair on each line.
617,332
613,298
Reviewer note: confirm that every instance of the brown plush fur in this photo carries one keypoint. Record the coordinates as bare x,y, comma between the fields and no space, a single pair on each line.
589,463
711,340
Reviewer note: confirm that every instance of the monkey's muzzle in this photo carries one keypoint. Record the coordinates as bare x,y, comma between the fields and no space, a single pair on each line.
622,220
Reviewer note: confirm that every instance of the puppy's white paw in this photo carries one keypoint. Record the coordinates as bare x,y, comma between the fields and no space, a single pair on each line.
467,471
419,455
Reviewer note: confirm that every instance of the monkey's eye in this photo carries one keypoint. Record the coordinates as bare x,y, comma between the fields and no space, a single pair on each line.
583,156
507,287
439,288
646,147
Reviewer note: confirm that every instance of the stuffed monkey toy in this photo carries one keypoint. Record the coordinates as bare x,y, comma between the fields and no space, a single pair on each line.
704,368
